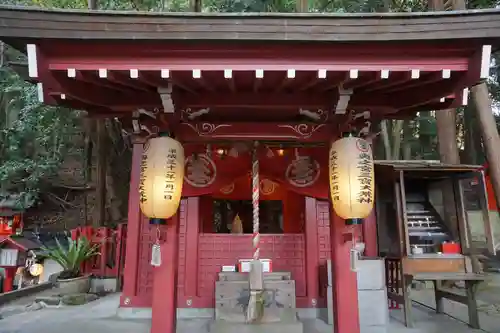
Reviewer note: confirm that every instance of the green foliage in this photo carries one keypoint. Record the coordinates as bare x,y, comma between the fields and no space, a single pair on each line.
71,257
34,138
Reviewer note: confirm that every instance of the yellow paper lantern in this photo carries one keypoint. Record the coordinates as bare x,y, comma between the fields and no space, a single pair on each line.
351,172
36,270
162,175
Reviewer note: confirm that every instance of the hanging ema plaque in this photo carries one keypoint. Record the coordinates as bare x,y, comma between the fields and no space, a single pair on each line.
200,171
302,172
351,172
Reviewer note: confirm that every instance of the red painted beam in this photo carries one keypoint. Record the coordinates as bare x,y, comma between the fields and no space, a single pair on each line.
210,50
178,56
256,100
251,64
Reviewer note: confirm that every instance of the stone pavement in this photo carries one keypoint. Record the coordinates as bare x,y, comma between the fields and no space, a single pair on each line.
100,316
488,320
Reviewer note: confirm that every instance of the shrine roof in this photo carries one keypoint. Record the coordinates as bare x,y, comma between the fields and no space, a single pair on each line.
36,23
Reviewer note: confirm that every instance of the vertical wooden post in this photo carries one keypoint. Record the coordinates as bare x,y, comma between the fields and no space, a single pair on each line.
370,234
131,269
312,262
463,229
345,291
164,312
404,217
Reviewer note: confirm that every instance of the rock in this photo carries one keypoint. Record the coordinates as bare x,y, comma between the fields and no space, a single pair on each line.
49,300
35,306
78,299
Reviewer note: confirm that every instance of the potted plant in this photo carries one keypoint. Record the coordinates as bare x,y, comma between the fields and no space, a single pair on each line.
71,258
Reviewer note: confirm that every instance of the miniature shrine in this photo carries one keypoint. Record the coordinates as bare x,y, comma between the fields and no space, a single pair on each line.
11,216
427,232
246,143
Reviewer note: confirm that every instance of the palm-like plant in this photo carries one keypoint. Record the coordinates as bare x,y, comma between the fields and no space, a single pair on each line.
72,256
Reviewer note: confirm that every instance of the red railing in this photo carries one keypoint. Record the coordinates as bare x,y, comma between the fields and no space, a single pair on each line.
111,243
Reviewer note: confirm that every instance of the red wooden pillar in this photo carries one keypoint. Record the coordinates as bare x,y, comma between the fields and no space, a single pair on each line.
192,232
131,270
312,253
370,234
345,291
164,312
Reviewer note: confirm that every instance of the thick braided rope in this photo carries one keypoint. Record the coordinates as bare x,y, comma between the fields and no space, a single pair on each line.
255,204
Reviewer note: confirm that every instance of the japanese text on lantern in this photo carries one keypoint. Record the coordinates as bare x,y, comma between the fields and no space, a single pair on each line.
170,168
144,168
334,175
365,167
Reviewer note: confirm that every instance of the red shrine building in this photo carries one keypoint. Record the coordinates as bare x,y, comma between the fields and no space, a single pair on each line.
222,84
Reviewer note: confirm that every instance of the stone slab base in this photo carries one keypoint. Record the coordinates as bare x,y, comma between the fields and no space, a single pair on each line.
208,313
220,326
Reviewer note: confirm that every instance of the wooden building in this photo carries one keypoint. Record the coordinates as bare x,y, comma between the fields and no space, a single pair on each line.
220,83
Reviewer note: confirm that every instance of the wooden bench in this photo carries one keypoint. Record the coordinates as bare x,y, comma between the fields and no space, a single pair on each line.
471,281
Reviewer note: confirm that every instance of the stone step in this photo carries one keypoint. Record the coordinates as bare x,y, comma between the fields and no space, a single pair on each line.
237,276
228,327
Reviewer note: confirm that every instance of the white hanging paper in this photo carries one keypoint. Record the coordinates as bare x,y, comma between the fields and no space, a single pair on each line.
354,255
156,255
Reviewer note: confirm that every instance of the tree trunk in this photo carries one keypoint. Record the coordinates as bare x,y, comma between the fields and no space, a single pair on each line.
92,4
302,6
396,148
195,5
489,132
88,129
101,146
446,119
447,136
385,137
407,140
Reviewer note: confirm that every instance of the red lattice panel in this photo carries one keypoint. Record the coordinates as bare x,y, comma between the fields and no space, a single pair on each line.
287,252
181,272
145,270
324,249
